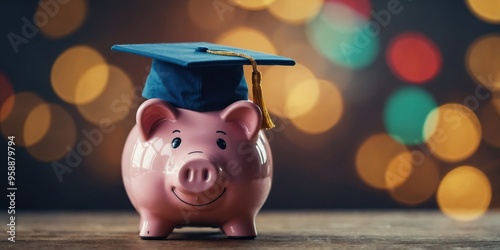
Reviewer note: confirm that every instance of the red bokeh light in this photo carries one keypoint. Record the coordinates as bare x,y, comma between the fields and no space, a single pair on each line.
361,7
7,91
414,58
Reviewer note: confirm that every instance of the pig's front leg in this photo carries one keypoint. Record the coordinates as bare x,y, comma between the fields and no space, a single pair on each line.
240,228
154,228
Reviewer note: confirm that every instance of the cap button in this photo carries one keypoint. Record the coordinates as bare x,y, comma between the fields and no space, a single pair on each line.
202,49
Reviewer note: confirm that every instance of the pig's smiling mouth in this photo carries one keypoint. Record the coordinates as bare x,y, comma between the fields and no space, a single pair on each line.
198,205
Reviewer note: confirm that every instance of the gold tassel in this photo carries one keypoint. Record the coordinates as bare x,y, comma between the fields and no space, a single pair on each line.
258,97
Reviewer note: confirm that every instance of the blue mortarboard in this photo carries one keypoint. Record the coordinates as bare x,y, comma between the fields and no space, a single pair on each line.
199,76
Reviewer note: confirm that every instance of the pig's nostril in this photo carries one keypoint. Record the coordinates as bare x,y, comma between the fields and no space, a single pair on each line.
188,174
205,175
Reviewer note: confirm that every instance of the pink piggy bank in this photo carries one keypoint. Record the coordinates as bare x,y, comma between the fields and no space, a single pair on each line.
188,168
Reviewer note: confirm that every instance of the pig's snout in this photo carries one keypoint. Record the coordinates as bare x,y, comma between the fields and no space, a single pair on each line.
197,175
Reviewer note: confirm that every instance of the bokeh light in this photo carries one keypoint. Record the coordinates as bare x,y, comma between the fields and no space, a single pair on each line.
115,100
413,57
464,194
453,132
360,7
37,124
6,103
295,12
58,139
278,82
405,113
91,84
421,183
483,58
399,169
75,77
252,4
302,98
489,117
344,37
486,10
320,117
57,20
24,103
247,38
373,158
225,14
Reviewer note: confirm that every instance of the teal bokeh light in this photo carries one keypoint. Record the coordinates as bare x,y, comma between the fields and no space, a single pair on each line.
344,37
405,112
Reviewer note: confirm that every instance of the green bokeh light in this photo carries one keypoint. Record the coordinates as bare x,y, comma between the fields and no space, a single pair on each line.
405,112
344,37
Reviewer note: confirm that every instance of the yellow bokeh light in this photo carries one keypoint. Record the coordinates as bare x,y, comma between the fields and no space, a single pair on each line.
489,117
252,4
303,97
279,81
91,83
452,132
483,58
114,102
56,20
320,117
24,103
486,10
373,158
247,38
421,183
464,194
60,136
37,124
222,14
76,75
295,12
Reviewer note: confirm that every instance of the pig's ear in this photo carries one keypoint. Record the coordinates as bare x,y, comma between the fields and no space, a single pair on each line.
150,113
247,115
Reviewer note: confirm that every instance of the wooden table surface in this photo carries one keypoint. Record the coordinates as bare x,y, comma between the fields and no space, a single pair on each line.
304,229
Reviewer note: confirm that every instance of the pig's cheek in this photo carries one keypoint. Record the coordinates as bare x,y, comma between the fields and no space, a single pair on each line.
149,189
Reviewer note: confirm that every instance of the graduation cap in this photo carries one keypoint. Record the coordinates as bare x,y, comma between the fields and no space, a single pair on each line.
203,76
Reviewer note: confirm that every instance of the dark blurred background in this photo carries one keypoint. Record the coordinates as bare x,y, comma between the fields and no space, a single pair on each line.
392,104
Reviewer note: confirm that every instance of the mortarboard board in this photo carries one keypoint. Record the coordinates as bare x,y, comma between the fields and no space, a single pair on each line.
201,76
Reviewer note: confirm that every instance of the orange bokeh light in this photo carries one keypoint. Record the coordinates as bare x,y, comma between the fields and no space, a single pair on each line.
464,193
421,182
56,20
453,132
76,76
59,137
23,104
489,117
373,159
320,117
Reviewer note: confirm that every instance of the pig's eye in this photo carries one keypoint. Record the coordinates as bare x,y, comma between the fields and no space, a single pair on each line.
221,143
176,142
